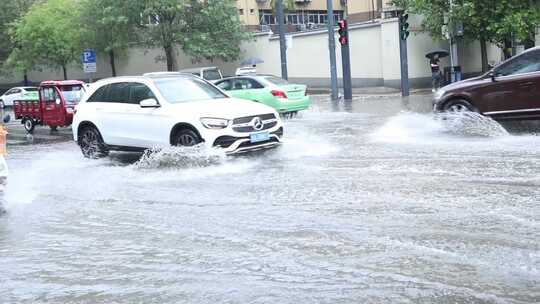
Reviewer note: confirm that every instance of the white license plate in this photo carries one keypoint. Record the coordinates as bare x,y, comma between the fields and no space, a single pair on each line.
258,137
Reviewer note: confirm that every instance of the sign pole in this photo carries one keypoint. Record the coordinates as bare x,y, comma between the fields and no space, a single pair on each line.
282,42
332,49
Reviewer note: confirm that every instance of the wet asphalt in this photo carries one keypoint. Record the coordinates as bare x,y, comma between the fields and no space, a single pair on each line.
373,201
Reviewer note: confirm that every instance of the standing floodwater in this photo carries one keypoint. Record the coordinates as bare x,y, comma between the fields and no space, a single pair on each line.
369,202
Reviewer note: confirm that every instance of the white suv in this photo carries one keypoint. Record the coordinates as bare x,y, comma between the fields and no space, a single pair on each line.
158,110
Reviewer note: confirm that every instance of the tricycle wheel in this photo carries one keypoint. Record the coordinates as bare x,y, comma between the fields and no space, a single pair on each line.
54,128
91,143
29,125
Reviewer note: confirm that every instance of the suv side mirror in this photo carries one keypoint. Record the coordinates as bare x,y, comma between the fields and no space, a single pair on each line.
149,103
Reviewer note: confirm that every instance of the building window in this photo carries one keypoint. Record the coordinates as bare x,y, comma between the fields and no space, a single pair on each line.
251,11
241,12
298,17
266,17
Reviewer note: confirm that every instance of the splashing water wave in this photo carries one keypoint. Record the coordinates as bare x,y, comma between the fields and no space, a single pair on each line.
413,127
180,157
470,124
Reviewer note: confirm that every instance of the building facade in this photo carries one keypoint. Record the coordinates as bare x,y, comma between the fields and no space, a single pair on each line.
308,14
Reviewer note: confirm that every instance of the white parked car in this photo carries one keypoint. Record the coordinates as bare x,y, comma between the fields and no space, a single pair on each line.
246,71
211,74
15,93
159,110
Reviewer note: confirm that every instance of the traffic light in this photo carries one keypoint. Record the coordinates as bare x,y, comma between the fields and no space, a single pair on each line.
403,26
343,35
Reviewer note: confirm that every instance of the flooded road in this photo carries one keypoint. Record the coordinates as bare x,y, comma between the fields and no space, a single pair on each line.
377,201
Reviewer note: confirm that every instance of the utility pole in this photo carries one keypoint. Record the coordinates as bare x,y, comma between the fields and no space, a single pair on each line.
403,58
346,62
345,56
282,43
332,49
454,60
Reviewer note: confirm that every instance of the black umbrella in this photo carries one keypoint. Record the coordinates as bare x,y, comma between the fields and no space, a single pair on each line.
252,61
442,53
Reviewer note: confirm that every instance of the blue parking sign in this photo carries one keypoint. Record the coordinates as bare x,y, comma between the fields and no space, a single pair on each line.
89,56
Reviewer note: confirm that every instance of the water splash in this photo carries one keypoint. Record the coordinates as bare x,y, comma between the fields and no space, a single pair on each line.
415,128
470,124
180,157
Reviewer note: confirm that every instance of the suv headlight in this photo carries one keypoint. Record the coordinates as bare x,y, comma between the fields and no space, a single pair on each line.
214,123
439,94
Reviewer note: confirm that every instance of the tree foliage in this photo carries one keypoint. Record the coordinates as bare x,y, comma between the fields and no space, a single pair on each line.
108,27
48,34
493,21
204,29
216,32
499,22
288,5
54,32
9,12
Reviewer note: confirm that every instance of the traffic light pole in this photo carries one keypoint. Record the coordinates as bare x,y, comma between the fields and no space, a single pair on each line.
332,49
346,61
282,43
403,58
405,87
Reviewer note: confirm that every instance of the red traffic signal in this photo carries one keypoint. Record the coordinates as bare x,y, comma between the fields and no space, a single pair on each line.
343,35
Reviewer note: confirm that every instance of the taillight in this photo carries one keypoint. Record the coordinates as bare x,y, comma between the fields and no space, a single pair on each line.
279,94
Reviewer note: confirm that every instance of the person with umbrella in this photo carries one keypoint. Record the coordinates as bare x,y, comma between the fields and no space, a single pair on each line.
434,62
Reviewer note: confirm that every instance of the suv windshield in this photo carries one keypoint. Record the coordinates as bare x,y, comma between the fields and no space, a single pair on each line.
72,94
179,89
526,63
211,74
30,89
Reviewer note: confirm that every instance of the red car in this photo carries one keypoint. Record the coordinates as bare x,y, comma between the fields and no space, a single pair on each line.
54,107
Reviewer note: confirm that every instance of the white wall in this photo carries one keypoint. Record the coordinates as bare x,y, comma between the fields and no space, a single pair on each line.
389,60
374,58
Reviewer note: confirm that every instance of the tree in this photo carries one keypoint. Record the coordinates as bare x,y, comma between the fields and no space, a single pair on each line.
48,34
204,29
498,22
9,12
216,32
108,27
288,5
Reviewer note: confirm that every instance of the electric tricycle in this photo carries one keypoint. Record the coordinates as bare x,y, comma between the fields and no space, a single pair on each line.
53,105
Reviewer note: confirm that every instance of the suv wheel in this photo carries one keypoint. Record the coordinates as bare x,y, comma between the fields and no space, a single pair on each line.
91,143
186,137
458,105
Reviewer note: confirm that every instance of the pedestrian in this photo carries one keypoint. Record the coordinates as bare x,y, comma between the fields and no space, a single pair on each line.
436,75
